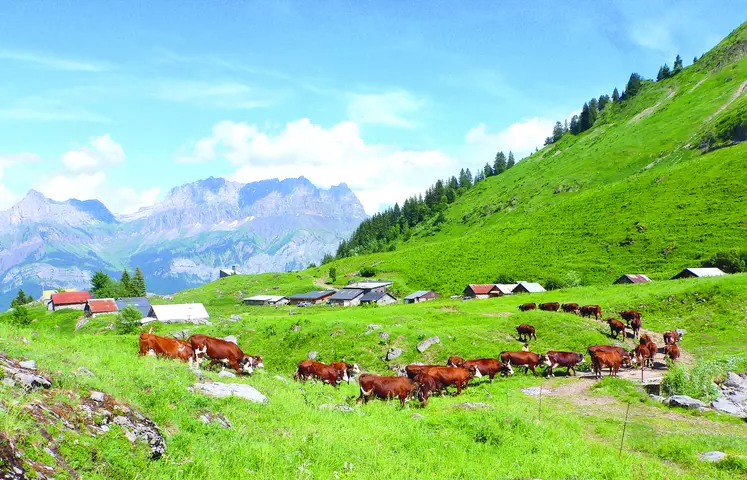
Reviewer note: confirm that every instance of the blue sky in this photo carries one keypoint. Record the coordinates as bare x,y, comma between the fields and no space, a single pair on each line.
102,100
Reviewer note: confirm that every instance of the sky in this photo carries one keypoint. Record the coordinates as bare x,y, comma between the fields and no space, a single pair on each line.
108,101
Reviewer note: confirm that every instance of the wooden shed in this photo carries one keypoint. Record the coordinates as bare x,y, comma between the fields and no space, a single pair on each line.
699,273
629,278
421,296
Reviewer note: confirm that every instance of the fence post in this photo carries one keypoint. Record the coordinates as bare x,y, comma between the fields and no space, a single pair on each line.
539,416
625,425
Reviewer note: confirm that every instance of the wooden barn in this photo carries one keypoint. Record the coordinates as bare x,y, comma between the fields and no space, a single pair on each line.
379,298
699,273
481,290
421,296
314,297
69,300
259,300
100,306
630,278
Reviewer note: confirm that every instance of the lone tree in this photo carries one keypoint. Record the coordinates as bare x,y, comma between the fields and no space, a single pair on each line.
21,299
677,65
511,162
128,320
125,284
102,286
499,165
332,274
137,285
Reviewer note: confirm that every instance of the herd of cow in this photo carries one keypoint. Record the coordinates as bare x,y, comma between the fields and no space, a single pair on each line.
420,381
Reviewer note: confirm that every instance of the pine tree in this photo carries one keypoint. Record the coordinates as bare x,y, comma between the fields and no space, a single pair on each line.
565,126
634,85
468,176
603,101
575,125
557,132
660,74
21,299
593,111
332,274
499,166
487,171
511,162
138,284
677,65
464,182
124,284
102,285
585,120
615,95
695,58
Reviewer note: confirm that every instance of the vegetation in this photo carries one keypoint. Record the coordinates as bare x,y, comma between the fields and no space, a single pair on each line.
21,299
19,317
128,320
103,286
731,261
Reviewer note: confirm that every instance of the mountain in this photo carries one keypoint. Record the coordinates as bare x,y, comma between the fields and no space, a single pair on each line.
271,225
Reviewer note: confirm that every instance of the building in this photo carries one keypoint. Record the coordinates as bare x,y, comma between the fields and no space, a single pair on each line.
47,295
266,300
224,272
347,297
181,313
504,289
315,297
379,298
481,290
528,287
68,300
699,272
632,278
100,306
141,303
378,286
421,296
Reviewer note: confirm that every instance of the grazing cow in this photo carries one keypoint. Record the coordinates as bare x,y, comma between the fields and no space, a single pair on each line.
570,308
351,369
550,306
605,358
446,376
165,347
526,332
672,351
529,360
641,355
671,337
386,388
455,361
589,310
426,386
627,357
644,339
635,325
222,351
616,327
414,369
557,359
652,349
527,306
488,366
326,373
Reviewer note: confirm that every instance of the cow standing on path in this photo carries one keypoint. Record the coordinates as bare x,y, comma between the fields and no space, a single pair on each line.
589,310
616,327
563,359
223,352
605,358
672,351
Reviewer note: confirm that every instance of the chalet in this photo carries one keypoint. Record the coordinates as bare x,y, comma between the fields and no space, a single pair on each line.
100,306
224,272
699,273
379,298
421,296
528,287
632,278
68,300
182,313
259,300
315,297
481,290
47,295
347,297
504,289
141,303
377,286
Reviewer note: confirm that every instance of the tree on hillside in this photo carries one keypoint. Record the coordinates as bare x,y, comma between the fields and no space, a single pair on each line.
124,284
499,165
487,171
332,274
137,285
603,101
677,65
575,125
663,73
593,111
102,286
585,120
557,132
695,58
21,299
565,126
633,87
327,258
615,95
511,162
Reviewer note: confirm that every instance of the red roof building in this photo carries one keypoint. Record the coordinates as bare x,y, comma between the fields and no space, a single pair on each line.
481,290
101,305
73,300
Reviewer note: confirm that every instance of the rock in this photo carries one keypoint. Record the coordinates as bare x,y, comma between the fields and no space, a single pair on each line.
735,382
372,328
226,373
685,402
82,323
471,405
714,456
181,334
426,344
312,355
84,372
30,381
296,327
209,418
235,318
97,396
384,336
220,390
657,398
282,379
393,353
29,364
144,430
417,416
339,407
724,405
533,391
9,382
232,339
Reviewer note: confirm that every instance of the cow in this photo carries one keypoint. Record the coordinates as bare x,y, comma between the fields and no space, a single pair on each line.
589,310
386,388
627,357
550,306
165,347
644,339
570,308
351,369
446,376
635,325
525,307
671,337
672,351
529,360
629,315
488,367
222,351
426,386
555,359
326,373
454,361
641,355
525,347
526,332
414,369
652,349
605,358
616,326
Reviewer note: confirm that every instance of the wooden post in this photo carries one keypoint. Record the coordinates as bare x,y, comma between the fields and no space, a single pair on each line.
624,428
539,417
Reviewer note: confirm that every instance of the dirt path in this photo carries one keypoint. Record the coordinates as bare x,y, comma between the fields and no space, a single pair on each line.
648,111
736,95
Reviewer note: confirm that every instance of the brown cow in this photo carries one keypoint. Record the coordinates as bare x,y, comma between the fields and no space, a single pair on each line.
557,359
635,325
629,315
526,332
524,307
446,376
426,386
222,351
627,357
589,310
616,327
454,361
671,337
644,339
570,308
641,355
386,388
165,347
326,373
414,369
351,369
550,306
652,349
605,358
488,366
672,351
529,360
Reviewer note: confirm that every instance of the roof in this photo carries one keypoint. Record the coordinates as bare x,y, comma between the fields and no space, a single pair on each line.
705,272
70,298
368,285
637,278
506,288
102,305
185,311
375,296
226,271
481,288
347,294
417,294
141,303
265,298
313,295
532,287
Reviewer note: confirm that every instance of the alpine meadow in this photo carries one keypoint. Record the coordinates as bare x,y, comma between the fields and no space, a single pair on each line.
650,180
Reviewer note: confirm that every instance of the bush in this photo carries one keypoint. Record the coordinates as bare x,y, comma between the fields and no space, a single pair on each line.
572,279
553,283
332,274
368,272
732,261
20,316
696,383
128,320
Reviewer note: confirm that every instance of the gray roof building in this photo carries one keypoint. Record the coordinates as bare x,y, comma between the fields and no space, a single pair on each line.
141,303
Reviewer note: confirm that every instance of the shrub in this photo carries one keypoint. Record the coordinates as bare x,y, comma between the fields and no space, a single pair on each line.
572,279
553,283
696,383
332,274
20,316
731,261
128,320
368,272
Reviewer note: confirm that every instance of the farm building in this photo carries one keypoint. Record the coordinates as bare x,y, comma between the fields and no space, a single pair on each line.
141,303
528,287
259,300
224,272
632,278
379,298
315,297
100,306
68,300
699,272
47,295
421,296
347,297
379,286
182,313
481,290
504,289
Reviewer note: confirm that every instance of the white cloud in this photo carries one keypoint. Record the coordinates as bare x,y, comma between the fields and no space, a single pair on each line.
653,35
7,197
521,138
392,109
50,62
105,152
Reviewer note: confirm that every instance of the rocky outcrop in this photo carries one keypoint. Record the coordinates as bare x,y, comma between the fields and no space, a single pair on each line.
427,343
220,390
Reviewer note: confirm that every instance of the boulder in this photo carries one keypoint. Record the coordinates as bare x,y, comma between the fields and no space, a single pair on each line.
393,353
282,379
232,339
226,373
471,405
724,405
427,343
235,318
30,381
142,429
84,372
311,355
220,390
181,335
384,336
97,396
714,456
735,382
685,402
29,364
